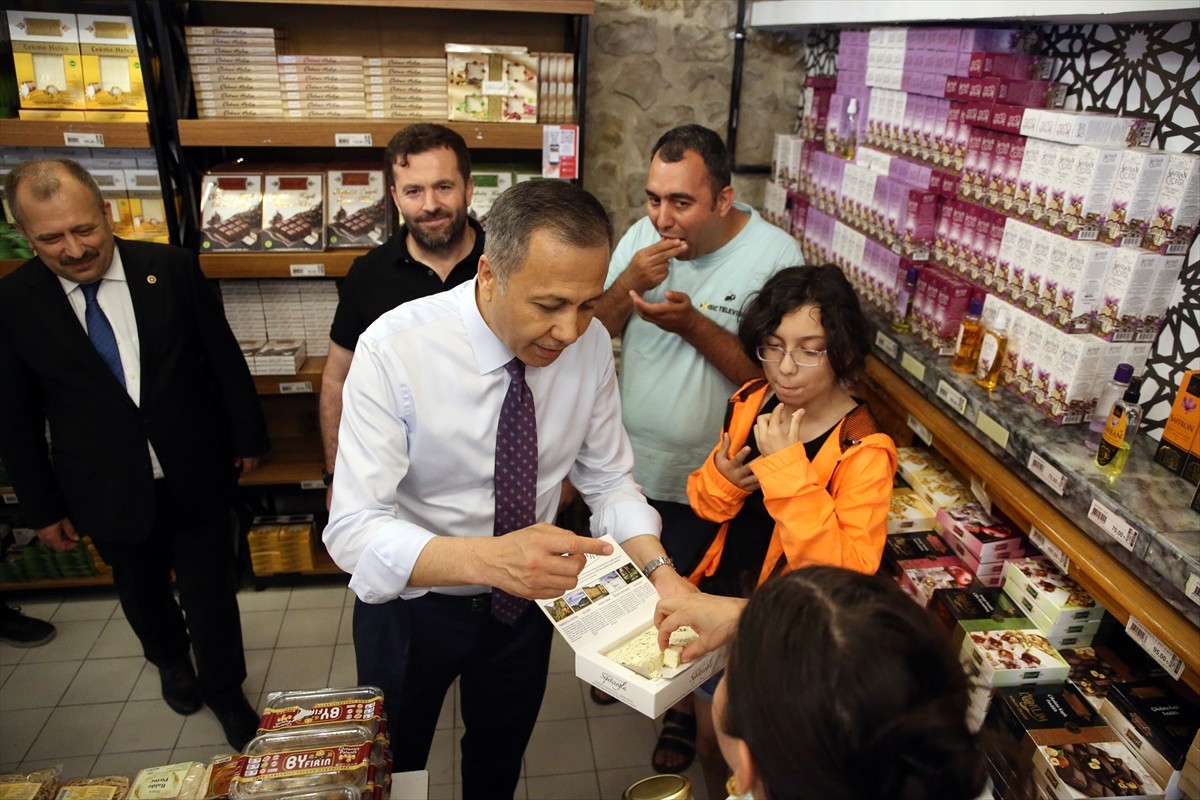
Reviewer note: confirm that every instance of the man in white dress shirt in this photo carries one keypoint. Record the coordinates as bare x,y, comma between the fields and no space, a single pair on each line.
414,497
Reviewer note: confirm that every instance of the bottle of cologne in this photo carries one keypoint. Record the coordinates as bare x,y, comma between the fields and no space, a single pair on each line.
1110,394
1122,424
991,352
851,140
970,336
904,301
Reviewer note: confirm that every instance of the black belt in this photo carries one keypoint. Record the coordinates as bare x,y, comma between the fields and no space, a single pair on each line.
462,602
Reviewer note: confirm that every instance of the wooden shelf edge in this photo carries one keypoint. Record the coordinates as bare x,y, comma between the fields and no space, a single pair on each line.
1116,588
48,133
309,371
334,264
586,7
275,132
58,583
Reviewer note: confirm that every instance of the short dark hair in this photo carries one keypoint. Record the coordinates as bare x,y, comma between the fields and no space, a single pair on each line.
44,177
674,144
842,687
421,138
571,215
847,339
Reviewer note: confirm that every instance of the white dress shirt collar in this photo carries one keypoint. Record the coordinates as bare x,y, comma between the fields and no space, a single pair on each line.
490,352
116,272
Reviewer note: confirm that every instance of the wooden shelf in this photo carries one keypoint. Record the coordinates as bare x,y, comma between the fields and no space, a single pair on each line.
8,265
310,373
275,132
291,461
332,264
58,583
526,6
1108,579
39,133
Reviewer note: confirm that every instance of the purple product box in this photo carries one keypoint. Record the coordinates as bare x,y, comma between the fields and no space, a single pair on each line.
986,536
989,39
1006,200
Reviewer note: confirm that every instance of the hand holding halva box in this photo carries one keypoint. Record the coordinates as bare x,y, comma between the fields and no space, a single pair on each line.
608,619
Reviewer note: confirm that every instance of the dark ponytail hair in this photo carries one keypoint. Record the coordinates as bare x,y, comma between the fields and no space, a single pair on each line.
843,688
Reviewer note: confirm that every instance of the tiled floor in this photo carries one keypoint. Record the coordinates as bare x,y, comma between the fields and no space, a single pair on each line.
89,702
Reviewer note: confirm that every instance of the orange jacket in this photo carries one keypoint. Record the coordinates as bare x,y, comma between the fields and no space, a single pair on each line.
832,510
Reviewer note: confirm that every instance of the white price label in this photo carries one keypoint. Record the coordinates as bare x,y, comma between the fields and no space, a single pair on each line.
312,484
952,397
77,139
918,427
10,499
306,270
1049,475
912,366
1192,590
1049,549
296,387
352,140
979,489
1162,654
1113,524
887,344
992,429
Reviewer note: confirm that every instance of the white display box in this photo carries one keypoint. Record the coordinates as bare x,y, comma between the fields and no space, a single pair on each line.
612,602
1035,582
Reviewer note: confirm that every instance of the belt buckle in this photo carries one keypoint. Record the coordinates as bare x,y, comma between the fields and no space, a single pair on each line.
481,602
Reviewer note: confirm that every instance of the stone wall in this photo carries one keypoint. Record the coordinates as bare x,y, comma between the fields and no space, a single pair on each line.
655,64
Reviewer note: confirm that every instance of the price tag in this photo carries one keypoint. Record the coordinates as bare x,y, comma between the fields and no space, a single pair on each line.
912,366
1049,475
1192,590
1164,655
296,387
918,427
10,499
78,139
887,344
352,140
306,270
1113,524
1049,549
952,397
979,489
992,429
312,484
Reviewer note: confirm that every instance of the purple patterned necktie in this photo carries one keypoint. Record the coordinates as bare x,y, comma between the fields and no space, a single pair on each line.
516,476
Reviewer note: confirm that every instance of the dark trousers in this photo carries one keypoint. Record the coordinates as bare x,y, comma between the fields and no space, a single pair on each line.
414,649
685,536
201,551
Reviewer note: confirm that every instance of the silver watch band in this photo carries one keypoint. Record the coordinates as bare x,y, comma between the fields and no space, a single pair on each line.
655,563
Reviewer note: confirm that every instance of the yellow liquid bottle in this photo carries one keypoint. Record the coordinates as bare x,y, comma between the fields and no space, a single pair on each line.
1122,424
970,337
991,352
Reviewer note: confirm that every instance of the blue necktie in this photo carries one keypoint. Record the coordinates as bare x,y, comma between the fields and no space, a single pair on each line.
516,476
100,331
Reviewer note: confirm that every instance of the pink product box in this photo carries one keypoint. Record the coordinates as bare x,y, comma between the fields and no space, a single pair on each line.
1132,202
854,38
1008,65
851,55
983,537
920,216
920,581
989,39
991,229
953,296
1177,207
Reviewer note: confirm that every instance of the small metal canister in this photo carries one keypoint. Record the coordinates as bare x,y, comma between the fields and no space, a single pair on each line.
660,787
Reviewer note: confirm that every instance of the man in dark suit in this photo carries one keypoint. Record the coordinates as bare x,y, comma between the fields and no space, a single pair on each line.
120,350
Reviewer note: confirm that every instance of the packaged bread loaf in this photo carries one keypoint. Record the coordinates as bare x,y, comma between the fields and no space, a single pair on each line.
217,775
358,705
40,784
309,758
183,781
106,787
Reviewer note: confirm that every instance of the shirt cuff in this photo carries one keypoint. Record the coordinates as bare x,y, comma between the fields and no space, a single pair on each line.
626,519
386,565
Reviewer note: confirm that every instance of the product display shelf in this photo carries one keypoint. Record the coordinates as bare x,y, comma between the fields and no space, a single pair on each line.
1148,580
8,265
278,132
291,461
789,13
527,6
307,379
324,264
58,583
43,133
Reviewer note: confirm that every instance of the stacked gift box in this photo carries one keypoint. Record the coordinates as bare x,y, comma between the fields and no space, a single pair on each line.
1062,609
322,86
408,87
234,70
984,541
281,544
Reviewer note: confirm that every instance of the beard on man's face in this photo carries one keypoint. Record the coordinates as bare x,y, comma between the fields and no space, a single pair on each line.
442,239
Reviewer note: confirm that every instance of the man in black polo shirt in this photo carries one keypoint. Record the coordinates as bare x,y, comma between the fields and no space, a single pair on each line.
438,248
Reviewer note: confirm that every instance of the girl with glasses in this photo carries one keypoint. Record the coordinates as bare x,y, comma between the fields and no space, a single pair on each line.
801,474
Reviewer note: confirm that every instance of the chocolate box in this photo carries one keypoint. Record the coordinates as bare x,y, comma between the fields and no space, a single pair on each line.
112,68
612,603
1096,669
962,610
1013,657
293,212
987,537
230,212
357,209
1035,582
1093,769
908,512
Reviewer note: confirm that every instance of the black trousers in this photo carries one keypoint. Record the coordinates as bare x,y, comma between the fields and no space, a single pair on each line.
685,536
414,649
199,547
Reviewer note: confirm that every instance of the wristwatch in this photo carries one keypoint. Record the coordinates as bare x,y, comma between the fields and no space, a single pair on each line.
655,563
326,477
